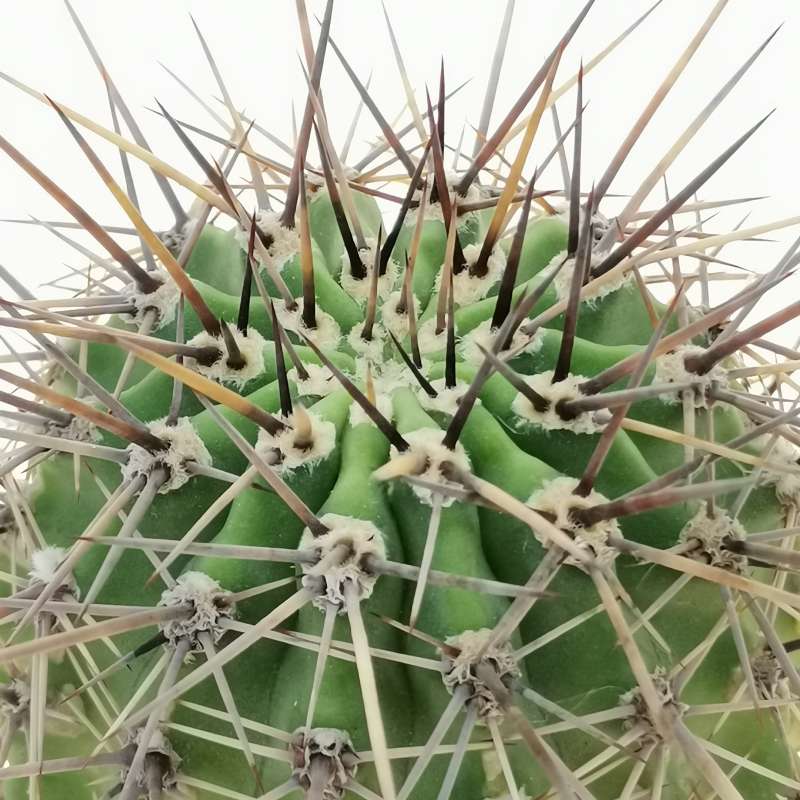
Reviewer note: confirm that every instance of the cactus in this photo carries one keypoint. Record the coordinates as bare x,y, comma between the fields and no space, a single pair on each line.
299,506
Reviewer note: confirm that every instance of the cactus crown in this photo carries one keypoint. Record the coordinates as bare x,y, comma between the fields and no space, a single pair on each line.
302,505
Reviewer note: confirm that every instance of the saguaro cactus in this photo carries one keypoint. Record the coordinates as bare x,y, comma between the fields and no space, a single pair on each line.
299,505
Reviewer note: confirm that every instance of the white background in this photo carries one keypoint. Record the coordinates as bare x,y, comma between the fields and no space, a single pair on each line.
257,44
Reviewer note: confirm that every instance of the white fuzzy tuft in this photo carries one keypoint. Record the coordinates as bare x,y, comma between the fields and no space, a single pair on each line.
769,678
209,603
641,716
285,241
175,238
184,446
78,429
557,497
468,288
325,335
319,383
671,368
290,457
554,393
394,320
159,747
446,400
466,668
359,289
359,417
484,336
322,752
370,349
387,375
251,348
45,563
15,698
426,444
164,300
474,193
708,536
342,554
782,451
562,283
44,567
429,341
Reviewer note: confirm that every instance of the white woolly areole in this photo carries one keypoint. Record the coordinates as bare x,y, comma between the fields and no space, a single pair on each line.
556,497
285,241
471,668
394,320
429,341
371,349
359,417
592,293
787,484
641,713
163,300
209,603
671,368
484,336
175,238
600,224
251,347
157,747
78,429
446,400
426,443
387,375
15,698
290,456
468,288
360,288
44,565
768,674
554,393
183,445
709,534
319,383
324,757
342,555
326,334
452,178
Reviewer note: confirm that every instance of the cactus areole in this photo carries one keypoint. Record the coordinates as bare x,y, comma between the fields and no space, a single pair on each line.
309,497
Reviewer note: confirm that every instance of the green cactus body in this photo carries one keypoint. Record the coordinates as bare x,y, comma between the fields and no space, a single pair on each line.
454,553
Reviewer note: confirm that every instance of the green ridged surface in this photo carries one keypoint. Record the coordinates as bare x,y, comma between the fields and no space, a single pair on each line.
584,670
